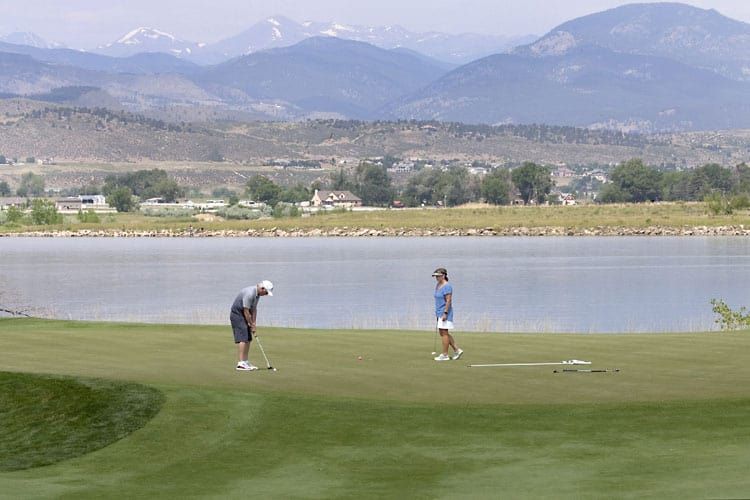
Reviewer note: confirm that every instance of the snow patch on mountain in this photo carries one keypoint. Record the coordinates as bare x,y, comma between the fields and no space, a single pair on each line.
132,37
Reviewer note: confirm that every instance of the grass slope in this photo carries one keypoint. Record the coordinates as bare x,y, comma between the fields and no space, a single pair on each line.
47,419
672,423
578,217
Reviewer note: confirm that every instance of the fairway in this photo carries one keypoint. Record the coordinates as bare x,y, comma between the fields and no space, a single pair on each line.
672,423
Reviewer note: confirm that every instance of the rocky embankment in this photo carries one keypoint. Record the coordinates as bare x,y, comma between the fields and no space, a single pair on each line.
274,232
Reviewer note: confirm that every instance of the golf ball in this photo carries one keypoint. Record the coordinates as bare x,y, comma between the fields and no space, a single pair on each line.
359,358
433,353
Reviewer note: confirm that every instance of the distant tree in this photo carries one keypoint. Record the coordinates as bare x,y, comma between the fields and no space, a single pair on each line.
632,181
612,194
373,185
496,187
3,160
90,188
31,185
154,183
532,181
453,186
121,198
741,176
4,189
295,194
30,159
261,188
44,212
340,181
223,192
710,178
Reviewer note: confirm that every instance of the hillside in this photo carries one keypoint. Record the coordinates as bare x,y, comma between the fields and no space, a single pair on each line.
586,86
42,130
322,76
697,37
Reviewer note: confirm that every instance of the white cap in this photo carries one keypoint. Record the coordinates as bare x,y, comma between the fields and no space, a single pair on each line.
268,286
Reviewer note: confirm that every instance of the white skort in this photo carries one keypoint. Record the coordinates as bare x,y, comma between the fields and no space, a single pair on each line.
444,325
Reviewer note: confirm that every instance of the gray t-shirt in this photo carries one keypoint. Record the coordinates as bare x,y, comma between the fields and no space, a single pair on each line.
248,297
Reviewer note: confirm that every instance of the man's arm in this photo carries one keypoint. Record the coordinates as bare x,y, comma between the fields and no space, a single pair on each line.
249,318
253,315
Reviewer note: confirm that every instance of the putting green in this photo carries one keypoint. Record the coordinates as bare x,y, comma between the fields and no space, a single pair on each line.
672,423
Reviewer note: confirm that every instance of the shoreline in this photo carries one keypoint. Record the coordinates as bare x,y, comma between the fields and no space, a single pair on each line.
737,230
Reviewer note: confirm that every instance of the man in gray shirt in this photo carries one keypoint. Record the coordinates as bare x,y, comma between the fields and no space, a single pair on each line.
243,315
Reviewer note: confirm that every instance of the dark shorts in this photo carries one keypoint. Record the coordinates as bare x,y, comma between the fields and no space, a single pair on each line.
240,329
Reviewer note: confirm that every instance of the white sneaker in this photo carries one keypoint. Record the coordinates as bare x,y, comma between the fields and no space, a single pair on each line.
457,354
244,366
443,357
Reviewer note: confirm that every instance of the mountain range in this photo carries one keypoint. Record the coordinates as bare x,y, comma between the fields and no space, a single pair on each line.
279,31
639,67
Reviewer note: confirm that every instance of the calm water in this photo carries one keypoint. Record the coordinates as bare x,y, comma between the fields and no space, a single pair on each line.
518,284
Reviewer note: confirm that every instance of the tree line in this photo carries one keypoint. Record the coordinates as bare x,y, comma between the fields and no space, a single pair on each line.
634,182
449,186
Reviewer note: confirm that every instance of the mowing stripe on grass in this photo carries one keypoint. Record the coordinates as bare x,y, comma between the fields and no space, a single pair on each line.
46,419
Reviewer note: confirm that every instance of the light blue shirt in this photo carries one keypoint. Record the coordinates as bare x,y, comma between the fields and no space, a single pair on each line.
440,302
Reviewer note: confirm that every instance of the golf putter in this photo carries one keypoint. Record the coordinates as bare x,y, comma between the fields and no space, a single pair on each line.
268,363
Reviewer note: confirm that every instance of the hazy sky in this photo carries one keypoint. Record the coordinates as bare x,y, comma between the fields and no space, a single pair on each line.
88,23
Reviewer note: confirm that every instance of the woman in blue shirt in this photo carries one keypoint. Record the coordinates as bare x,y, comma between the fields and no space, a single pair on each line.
444,314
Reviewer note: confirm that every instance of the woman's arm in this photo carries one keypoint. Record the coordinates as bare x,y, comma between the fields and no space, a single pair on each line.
448,300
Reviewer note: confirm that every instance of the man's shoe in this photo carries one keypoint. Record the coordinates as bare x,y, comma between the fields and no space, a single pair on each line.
244,366
457,354
443,357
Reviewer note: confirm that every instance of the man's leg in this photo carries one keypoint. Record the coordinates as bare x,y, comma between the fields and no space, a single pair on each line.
243,348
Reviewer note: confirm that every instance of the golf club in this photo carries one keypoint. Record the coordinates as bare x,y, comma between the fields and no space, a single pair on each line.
565,362
434,341
268,363
599,370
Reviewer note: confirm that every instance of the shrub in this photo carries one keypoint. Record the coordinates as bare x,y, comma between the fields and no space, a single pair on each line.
717,204
740,201
178,213
89,216
13,215
729,319
239,213
285,210
44,212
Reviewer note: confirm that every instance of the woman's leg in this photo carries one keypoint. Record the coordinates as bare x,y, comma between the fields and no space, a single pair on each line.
446,340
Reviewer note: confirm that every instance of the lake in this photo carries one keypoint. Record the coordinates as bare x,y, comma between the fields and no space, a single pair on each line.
537,284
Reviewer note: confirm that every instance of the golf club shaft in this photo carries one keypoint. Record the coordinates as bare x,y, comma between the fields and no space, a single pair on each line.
569,362
268,363
600,370
434,341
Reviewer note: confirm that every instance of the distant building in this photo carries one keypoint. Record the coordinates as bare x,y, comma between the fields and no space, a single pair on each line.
567,199
94,202
12,201
335,199
563,171
402,167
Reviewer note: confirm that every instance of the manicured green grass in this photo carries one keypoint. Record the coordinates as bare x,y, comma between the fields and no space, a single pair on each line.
46,419
673,215
672,423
